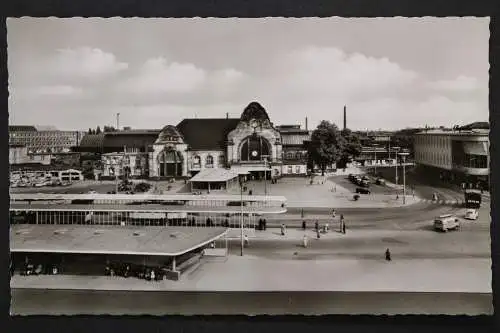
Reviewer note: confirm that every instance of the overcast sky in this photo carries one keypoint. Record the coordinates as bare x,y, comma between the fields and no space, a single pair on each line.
391,72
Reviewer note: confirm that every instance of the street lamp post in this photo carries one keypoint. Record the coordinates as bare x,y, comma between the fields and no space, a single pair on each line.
403,157
375,150
240,178
265,173
396,164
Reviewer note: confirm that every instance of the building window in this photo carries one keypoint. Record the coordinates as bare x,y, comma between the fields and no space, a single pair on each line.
209,162
476,161
290,169
196,162
297,169
222,161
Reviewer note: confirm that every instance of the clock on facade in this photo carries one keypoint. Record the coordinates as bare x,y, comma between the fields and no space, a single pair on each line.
254,153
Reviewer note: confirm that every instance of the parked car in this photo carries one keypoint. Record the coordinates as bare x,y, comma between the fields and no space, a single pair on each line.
362,190
446,222
364,183
471,214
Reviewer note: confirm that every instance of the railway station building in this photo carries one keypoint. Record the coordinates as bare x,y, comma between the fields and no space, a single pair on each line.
251,145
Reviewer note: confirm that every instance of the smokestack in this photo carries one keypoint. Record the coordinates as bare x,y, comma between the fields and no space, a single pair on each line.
227,115
307,128
345,117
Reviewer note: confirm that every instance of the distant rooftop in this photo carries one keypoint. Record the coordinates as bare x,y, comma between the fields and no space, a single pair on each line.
454,132
22,128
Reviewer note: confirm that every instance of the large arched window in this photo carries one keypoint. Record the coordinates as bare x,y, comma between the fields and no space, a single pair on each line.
209,161
170,163
254,148
196,161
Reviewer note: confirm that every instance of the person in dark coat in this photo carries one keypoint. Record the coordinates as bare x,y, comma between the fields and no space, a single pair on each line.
303,225
343,227
316,225
388,255
265,224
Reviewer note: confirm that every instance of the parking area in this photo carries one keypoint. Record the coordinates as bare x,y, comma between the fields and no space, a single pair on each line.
344,182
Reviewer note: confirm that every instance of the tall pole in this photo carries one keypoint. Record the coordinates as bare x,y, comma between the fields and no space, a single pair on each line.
265,176
241,216
118,121
396,169
404,182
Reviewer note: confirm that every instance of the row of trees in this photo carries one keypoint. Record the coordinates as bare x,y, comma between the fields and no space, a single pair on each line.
99,131
329,145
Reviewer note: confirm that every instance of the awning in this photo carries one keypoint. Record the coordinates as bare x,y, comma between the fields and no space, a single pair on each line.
475,148
214,175
243,170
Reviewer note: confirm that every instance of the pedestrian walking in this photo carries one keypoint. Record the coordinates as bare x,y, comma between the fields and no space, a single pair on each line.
316,225
305,241
265,224
388,255
343,228
282,229
318,235
303,225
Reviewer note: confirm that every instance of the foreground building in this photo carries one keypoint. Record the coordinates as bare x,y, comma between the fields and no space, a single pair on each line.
457,156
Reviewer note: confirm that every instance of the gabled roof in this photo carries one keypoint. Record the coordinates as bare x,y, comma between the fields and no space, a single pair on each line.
22,128
206,133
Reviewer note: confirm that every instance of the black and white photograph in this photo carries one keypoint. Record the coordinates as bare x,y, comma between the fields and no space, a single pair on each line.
159,165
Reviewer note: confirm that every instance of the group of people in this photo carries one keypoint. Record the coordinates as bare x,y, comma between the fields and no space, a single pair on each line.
262,224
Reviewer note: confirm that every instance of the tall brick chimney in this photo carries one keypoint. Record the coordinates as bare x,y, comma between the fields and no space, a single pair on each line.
307,128
345,117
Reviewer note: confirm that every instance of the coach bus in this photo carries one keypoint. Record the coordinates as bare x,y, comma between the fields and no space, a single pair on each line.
472,199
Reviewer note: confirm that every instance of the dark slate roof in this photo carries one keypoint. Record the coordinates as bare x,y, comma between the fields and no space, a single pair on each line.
22,128
168,132
206,133
92,140
254,111
118,140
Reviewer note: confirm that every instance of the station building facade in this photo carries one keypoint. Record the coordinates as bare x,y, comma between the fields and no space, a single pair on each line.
457,156
250,144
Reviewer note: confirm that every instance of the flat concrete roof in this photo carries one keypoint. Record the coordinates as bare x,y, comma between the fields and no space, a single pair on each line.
149,241
214,175
145,196
142,208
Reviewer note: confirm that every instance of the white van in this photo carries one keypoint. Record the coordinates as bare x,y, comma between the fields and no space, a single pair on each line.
446,222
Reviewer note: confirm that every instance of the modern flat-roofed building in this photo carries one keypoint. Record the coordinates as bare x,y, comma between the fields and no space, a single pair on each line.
458,156
52,141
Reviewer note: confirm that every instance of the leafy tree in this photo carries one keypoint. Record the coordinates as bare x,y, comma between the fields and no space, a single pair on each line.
326,145
351,147
90,131
98,130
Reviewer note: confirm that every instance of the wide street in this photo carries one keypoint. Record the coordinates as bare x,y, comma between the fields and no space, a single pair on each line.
423,260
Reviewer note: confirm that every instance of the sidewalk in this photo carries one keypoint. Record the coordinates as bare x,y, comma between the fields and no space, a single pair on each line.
254,274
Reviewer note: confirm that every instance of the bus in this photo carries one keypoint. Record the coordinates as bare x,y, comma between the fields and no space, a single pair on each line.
472,199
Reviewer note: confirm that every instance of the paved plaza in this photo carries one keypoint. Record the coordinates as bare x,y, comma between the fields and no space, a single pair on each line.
251,273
